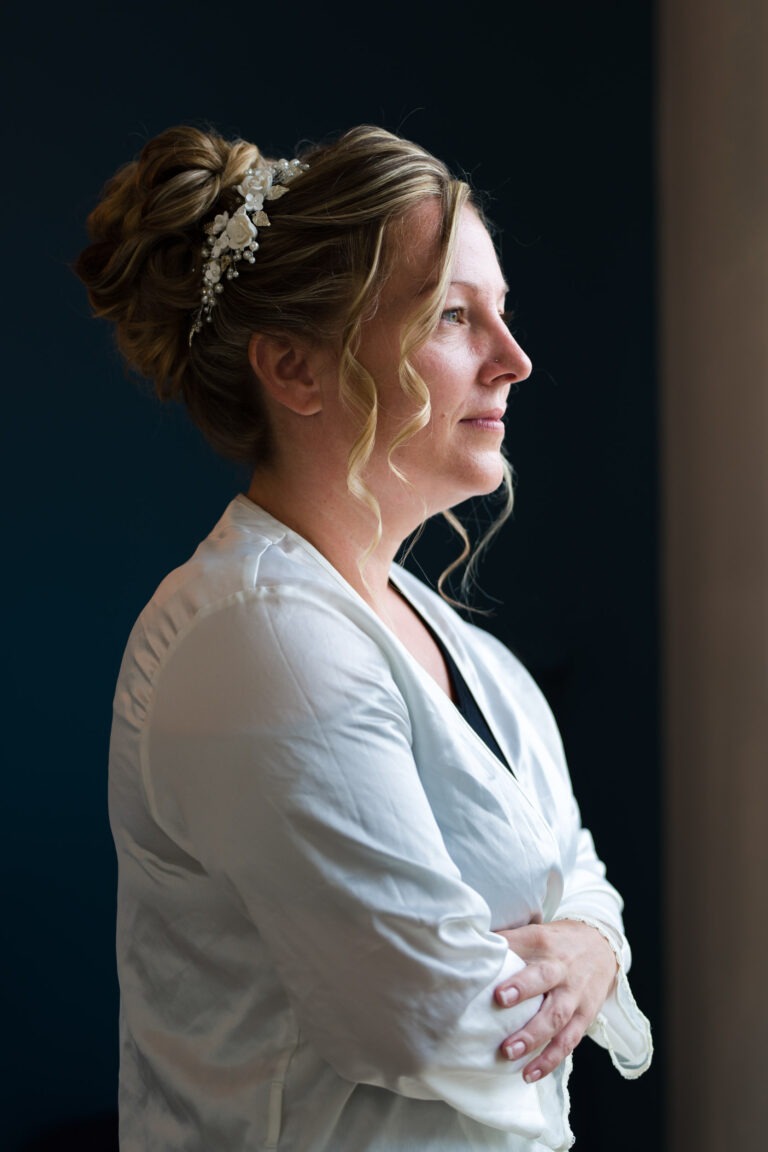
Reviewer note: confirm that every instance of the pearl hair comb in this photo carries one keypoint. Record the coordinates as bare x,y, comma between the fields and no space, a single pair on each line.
232,238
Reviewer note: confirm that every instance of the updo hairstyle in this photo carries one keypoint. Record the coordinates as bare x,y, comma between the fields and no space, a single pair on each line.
317,275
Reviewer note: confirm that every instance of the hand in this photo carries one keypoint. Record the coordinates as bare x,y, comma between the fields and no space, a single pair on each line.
574,967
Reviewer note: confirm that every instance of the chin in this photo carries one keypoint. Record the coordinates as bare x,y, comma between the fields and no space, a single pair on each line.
488,478
482,483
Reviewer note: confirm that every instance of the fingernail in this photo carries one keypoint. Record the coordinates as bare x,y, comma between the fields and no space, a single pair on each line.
508,996
530,1077
514,1051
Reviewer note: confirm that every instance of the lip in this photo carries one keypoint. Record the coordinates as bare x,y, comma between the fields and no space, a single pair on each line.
491,418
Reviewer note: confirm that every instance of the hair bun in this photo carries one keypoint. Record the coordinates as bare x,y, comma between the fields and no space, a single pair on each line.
140,269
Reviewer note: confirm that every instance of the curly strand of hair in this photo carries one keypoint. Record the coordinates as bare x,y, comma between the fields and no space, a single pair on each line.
473,555
358,391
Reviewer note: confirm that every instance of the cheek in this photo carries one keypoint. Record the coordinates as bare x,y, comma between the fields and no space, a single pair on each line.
445,380
448,403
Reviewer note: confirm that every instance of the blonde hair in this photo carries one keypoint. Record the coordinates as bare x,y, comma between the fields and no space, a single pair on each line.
318,274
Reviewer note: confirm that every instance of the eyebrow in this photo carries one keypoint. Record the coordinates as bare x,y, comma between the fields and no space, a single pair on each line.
471,284
475,287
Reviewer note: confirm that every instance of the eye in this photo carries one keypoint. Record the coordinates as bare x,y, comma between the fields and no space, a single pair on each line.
508,318
453,315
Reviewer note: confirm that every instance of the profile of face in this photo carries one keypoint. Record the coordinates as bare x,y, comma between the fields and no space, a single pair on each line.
469,363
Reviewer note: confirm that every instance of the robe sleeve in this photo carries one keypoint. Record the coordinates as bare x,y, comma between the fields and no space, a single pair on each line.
620,1027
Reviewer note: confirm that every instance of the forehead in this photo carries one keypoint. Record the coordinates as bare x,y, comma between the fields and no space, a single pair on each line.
417,261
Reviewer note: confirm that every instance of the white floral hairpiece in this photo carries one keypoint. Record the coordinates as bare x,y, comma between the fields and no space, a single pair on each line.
233,238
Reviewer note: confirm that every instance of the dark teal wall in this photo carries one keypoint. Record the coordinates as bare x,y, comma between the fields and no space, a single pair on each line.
548,106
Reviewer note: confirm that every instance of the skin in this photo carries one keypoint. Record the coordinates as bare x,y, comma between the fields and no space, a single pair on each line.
469,364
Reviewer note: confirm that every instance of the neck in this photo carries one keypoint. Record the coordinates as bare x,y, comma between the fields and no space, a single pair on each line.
341,528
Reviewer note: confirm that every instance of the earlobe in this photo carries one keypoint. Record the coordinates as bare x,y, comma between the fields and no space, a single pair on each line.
285,370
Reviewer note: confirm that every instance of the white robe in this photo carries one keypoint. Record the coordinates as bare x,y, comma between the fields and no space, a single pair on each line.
314,850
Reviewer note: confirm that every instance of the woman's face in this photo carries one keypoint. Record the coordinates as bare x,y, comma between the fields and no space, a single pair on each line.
468,363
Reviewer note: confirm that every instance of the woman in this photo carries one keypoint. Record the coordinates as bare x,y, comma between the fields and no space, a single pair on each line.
357,910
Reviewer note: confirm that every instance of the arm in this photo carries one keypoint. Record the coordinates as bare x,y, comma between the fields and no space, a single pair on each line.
579,962
588,897
279,756
578,959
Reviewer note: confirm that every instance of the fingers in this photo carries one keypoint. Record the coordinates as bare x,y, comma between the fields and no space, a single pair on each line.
549,1037
533,980
558,1016
572,967
553,1055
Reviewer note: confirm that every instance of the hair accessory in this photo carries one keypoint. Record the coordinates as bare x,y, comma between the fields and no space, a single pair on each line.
233,238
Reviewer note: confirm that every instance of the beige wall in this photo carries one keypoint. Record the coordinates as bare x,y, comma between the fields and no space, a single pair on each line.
713,185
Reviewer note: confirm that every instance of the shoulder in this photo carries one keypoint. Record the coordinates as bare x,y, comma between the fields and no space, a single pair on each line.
276,642
253,605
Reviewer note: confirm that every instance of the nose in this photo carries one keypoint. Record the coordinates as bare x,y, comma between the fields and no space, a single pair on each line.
508,359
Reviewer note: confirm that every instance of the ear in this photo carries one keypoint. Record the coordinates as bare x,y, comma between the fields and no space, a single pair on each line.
286,371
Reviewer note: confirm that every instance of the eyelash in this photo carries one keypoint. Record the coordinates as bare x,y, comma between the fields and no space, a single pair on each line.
461,312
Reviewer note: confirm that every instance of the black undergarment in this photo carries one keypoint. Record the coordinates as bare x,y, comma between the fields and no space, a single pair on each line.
466,703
